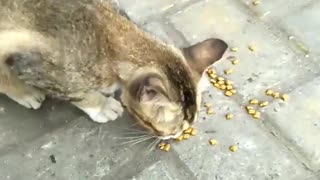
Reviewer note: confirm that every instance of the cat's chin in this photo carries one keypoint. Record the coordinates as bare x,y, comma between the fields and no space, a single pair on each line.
170,137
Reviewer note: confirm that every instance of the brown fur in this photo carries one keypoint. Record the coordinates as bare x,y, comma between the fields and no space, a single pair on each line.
76,49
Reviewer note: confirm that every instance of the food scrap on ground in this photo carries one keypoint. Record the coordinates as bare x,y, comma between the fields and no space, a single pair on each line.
213,142
233,148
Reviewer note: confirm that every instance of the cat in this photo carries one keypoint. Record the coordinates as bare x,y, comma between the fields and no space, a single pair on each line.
82,51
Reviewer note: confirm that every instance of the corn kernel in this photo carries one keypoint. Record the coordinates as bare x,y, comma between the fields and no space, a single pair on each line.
220,79
228,93
233,148
223,87
186,136
161,144
264,104
251,111
249,107
257,115
213,142
233,91
213,81
229,87
254,101
235,61
179,138
207,105
276,95
234,49
228,71
210,111
213,76
220,82
161,147
252,48
229,116
256,2
269,92
284,97
211,71
188,131
216,85
193,132
228,82
167,147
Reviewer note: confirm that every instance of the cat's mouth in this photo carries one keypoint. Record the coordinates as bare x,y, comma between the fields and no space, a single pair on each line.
170,136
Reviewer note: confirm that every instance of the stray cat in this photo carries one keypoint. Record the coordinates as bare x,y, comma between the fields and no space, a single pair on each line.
83,50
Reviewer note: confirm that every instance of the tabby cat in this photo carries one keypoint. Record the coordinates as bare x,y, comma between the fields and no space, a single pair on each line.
82,51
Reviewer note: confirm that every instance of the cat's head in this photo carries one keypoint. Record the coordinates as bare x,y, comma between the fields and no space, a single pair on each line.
165,98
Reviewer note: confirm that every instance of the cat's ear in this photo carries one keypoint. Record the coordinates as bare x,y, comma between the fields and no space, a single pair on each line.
205,53
149,88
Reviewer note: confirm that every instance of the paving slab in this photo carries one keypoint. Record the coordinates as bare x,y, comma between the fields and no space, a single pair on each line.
140,11
275,10
81,150
273,64
302,25
298,121
19,125
259,155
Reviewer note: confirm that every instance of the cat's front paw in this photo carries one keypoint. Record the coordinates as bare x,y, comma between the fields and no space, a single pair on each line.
32,99
109,111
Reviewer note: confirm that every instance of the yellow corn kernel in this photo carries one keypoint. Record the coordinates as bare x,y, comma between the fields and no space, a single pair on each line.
233,91
254,101
256,2
235,61
249,107
228,93
212,76
216,85
167,147
233,148
264,104
257,115
234,49
229,87
161,144
228,82
284,97
228,71
251,111
269,92
211,71
220,82
229,116
220,79
179,138
252,48
207,105
186,136
188,131
210,111
193,132
213,142
223,87
213,81
276,95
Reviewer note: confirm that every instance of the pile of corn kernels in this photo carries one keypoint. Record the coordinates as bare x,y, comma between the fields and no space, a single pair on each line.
226,86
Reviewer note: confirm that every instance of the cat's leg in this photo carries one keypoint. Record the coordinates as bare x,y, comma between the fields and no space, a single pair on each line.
100,108
18,91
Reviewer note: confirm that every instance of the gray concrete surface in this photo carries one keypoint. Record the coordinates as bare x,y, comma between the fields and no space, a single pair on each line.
283,145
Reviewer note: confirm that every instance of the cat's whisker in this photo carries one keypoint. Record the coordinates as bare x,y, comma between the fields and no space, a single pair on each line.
151,145
132,137
137,142
130,129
